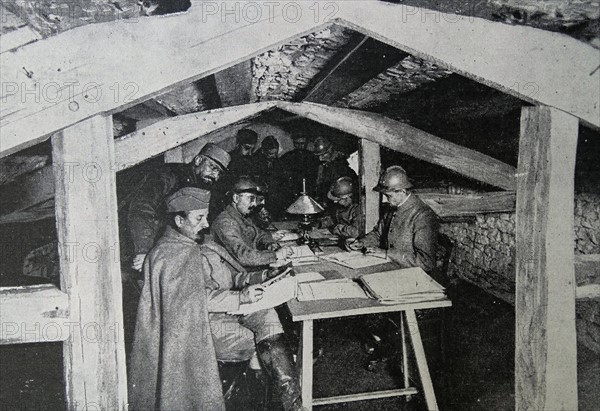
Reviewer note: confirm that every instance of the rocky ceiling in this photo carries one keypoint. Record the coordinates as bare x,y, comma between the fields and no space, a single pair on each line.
340,67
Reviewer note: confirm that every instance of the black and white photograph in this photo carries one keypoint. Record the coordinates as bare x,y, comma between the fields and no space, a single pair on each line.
297,205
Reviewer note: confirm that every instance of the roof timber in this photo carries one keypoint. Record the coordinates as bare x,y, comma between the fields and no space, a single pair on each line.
532,64
410,140
535,65
172,132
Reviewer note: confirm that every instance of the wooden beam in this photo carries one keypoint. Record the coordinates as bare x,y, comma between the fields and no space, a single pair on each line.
86,219
33,314
51,84
28,190
409,140
535,65
161,137
17,38
234,84
465,205
77,85
369,164
546,346
14,166
175,131
587,269
349,70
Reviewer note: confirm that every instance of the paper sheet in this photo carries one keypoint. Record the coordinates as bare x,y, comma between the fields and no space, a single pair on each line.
302,254
276,294
330,290
288,235
356,259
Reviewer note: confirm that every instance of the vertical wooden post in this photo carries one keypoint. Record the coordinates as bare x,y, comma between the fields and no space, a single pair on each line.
546,346
86,218
369,168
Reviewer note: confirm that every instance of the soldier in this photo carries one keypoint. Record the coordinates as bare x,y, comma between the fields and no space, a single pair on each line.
408,230
297,165
250,245
241,155
173,351
344,219
145,218
333,165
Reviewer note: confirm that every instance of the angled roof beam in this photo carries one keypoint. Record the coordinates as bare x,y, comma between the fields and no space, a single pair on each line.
347,71
54,83
409,140
534,65
234,84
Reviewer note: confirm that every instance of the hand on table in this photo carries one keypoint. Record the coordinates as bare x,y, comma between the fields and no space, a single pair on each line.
251,294
352,244
277,235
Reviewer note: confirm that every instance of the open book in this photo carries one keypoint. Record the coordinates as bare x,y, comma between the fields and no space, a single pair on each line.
402,286
279,292
356,259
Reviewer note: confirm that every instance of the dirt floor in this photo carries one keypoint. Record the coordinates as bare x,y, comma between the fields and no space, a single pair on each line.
477,373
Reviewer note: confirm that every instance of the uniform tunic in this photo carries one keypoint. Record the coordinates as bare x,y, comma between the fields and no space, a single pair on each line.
234,336
173,361
408,233
245,241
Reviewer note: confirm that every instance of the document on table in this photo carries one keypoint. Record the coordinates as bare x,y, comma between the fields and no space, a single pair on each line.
356,259
403,286
330,290
302,254
276,294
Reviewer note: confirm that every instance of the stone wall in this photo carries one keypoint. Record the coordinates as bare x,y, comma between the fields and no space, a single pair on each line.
484,254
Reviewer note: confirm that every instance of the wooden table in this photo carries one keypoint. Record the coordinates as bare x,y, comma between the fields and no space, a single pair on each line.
309,311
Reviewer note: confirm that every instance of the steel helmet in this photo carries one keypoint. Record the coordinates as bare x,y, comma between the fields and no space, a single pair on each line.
217,154
394,178
246,184
322,146
341,188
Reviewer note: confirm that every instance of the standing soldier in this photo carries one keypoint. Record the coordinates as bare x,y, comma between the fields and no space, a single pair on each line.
333,166
146,216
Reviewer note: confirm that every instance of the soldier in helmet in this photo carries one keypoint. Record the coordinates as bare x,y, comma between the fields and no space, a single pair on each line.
234,228
408,230
145,218
296,165
344,219
333,165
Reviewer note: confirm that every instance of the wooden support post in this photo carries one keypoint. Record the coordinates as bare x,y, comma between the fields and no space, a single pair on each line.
546,346
86,218
369,167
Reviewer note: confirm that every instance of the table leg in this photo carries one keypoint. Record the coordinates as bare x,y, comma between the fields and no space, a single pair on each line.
306,364
405,370
417,342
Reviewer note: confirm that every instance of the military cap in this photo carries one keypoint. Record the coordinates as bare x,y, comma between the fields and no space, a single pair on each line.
188,199
217,154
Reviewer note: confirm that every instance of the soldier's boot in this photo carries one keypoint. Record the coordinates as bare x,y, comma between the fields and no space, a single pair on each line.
279,365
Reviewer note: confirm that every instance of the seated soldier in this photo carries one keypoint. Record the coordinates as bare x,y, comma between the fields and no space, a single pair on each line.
237,337
234,229
344,219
